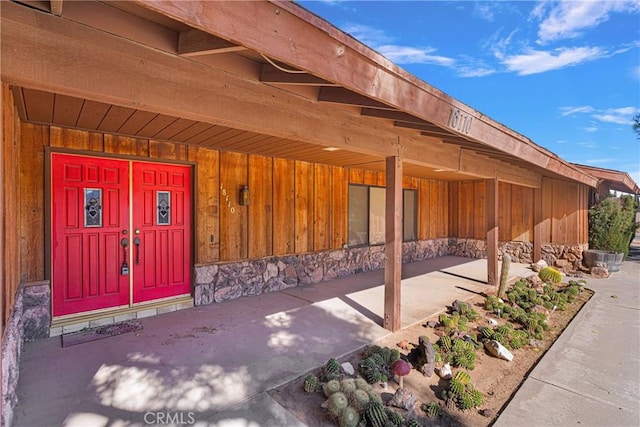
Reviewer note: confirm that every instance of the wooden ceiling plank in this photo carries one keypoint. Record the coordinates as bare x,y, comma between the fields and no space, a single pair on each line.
339,95
193,130
66,110
173,129
39,105
270,74
92,114
194,42
156,125
138,120
210,133
115,118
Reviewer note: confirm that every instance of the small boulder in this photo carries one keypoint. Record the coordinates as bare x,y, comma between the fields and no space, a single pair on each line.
599,273
498,350
445,372
348,368
539,265
403,399
487,413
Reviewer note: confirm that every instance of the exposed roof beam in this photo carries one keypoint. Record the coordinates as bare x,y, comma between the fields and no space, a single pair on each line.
426,127
197,43
56,7
270,74
340,95
397,116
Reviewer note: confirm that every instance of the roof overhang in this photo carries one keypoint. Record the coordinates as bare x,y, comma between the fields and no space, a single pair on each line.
334,91
612,179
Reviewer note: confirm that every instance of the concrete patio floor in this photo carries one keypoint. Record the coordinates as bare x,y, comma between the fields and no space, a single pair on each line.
215,363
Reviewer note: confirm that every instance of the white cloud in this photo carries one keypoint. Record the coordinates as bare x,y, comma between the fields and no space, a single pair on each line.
588,144
485,10
568,111
592,128
568,19
635,72
594,162
539,61
413,55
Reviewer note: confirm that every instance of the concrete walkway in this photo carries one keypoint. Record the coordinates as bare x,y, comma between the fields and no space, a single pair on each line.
591,374
213,365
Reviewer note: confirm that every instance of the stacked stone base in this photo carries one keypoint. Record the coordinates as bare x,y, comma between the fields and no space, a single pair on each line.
30,320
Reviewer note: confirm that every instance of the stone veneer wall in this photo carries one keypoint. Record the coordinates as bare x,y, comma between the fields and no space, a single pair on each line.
30,320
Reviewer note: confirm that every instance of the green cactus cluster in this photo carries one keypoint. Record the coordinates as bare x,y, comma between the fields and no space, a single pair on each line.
330,370
550,275
375,415
454,322
311,384
413,423
432,409
331,387
461,393
376,363
394,418
458,352
465,309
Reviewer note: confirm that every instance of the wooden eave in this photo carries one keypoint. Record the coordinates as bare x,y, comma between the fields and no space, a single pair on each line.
615,180
292,53
292,35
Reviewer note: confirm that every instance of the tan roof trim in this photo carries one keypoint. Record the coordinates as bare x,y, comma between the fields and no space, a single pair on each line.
618,180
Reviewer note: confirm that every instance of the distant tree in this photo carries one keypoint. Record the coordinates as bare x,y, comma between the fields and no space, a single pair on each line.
636,124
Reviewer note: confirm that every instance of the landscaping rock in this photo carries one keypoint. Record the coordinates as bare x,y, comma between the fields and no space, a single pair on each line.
348,368
599,273
498,350
539,265
403,399
445,372
487,413
430,356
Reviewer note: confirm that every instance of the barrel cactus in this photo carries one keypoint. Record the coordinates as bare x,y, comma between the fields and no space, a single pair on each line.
331,369
331,387
348,386
550,275
349,417
432,409
359,399
374,414
311,384
337,403
362,384
413,423
395,418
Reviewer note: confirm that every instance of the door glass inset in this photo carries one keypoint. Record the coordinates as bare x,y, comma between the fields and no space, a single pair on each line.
93,207
164,206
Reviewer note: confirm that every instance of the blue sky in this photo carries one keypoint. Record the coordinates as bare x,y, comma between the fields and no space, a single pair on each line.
565,74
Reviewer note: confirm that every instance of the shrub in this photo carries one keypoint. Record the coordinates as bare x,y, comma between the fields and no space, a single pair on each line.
612,224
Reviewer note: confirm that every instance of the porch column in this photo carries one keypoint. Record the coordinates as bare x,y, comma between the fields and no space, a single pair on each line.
393,244
491,215
537,224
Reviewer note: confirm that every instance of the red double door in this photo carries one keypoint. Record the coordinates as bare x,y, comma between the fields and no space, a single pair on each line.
121,232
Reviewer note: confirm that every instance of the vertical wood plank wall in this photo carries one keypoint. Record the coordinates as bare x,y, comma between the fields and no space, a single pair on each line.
295,207
564,205
10,201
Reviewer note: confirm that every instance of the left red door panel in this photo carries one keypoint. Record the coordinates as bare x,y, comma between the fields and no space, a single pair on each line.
90,219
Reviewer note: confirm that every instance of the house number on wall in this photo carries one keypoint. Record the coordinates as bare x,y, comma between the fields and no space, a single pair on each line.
459,120
226,199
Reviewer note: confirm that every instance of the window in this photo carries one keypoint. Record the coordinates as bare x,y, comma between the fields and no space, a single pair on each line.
367,215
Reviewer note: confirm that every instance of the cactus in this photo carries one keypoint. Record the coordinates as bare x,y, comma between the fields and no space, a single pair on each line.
504,275
395,418
374,414
359,399
456,387
374,397
331,369
477,397
519,339
349,417
337,403
413,423
463,377
348,386
432,409
445,343
311,384
395,355
550,275
487,332
362,384
331,387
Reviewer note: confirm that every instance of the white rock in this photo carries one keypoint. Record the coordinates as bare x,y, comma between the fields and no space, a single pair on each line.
539,265
498,350
348,368
492,322
445,372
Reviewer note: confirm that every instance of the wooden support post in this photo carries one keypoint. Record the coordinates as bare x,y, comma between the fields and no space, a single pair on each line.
537,224
491,215
393,244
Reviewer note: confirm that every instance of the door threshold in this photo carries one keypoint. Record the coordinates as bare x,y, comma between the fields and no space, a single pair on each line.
79,322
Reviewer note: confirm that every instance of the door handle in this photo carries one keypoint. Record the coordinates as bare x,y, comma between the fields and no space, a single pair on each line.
124,269
136,242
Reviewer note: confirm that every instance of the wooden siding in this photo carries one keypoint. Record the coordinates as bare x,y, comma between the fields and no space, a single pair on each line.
467,213
565,205
10,202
